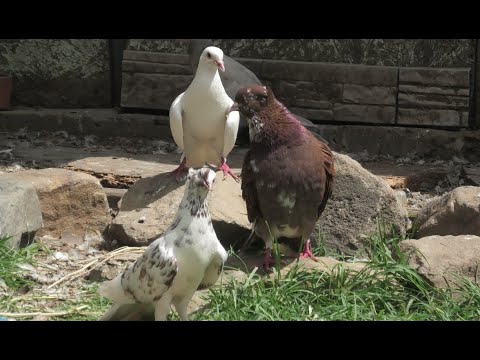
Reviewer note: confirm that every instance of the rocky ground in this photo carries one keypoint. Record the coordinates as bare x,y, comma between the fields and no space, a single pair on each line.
132,170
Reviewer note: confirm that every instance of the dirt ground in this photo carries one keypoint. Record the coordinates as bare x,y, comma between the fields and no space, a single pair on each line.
64,270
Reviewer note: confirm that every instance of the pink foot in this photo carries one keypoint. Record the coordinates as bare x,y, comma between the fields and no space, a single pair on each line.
307,252
178,171
268,259
227,171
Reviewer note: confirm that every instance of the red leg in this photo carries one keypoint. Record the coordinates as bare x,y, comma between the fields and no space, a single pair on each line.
227,171
268,259
307,252
180,169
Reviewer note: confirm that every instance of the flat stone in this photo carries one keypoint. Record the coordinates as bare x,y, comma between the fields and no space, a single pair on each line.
442,259
428,117
364,113
372,95
454,77
455,213
152,91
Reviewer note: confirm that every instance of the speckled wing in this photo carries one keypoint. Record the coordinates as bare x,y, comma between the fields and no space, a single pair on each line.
152,274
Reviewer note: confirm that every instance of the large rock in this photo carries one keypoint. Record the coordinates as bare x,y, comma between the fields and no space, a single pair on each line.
359,199
71,202
455,213
440,259
20,213
149,207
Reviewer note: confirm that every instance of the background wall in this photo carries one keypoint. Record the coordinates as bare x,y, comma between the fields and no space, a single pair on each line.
58,73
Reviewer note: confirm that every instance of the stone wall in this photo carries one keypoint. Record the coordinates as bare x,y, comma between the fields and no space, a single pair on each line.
69,73
320,92
381,52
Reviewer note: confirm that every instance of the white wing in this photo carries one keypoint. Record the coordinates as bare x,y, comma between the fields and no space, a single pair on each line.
176,121
231,130
145,280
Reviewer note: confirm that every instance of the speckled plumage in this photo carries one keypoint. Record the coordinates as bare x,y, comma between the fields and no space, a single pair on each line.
186,258
287,175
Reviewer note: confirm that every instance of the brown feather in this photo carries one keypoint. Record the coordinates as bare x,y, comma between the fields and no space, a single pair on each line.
287,175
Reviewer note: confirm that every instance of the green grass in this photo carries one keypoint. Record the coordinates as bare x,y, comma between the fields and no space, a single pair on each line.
386,289
10,259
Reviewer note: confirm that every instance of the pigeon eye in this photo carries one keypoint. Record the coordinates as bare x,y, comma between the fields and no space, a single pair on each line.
209,55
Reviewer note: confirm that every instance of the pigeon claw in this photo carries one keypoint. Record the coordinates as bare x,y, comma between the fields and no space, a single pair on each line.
307,252
179,170
227,171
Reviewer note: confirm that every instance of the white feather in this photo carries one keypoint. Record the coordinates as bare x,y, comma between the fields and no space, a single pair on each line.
176,125
175,265
201,115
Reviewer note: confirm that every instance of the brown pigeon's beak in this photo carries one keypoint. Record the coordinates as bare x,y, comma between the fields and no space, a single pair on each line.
234,107
220,65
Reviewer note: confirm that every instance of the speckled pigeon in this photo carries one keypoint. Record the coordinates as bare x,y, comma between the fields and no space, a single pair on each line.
287,174
187,258
201,122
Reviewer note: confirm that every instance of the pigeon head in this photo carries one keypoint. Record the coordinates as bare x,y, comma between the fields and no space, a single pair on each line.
269,121
212,56
252,99
202,178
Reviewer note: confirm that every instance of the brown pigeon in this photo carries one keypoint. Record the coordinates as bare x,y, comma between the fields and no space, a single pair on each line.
287,174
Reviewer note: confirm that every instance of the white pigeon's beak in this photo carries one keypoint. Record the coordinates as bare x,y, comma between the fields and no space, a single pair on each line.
220,65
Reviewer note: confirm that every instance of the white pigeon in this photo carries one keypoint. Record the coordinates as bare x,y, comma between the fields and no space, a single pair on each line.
187,258
201,122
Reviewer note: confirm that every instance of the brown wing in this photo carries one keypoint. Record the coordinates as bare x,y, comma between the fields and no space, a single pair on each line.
329,172
249,190
300,173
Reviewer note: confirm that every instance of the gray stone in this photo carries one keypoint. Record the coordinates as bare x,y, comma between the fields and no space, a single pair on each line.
433,90
428,117
364,113
359,199
255,65
302,71
70,200
313,114
99,122
432,101
155,57
114,196
152,91
155,68
377,95
455,213
441,260
64,73
370,75
20,213
329,73
315,104
156,200
464,119
436,76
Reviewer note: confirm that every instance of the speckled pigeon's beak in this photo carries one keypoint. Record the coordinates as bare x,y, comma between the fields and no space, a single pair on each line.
234,107
220,65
